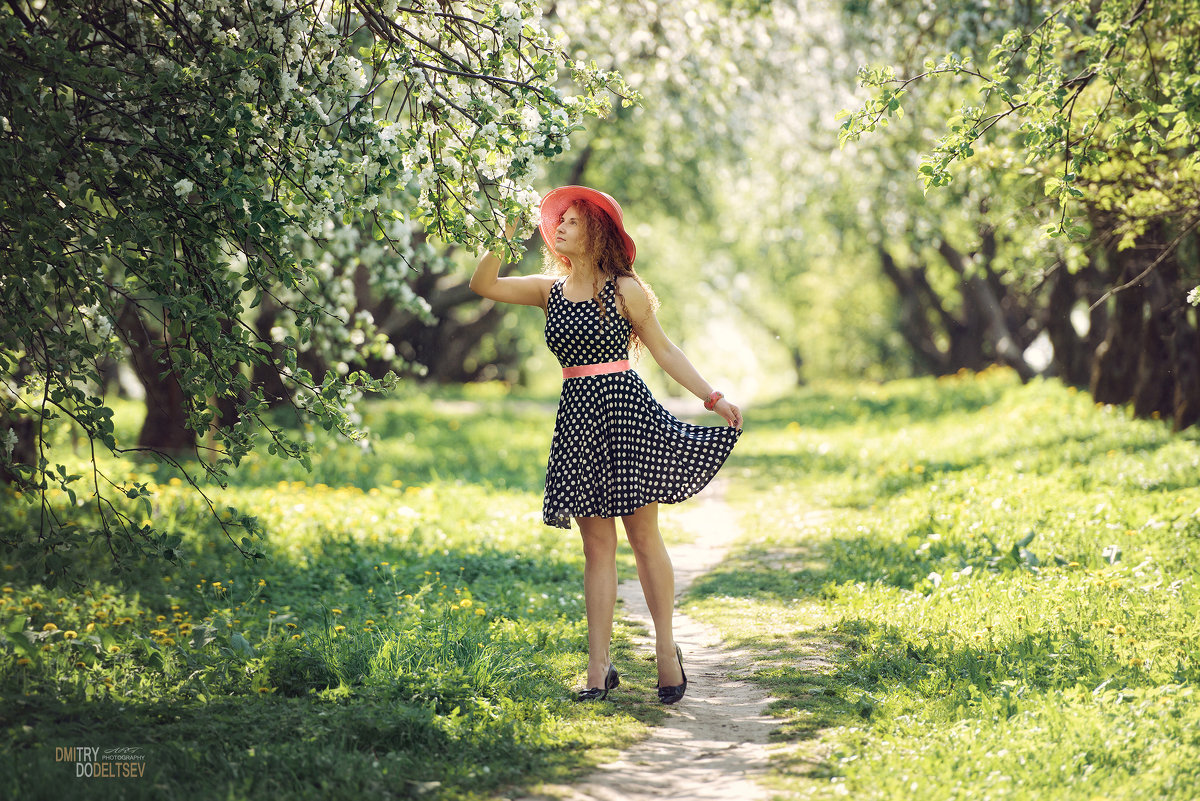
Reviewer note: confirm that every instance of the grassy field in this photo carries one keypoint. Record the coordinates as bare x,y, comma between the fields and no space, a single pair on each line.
964,588
414,632
969,588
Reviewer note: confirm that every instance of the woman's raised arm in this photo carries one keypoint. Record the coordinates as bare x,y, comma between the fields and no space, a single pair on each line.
525,290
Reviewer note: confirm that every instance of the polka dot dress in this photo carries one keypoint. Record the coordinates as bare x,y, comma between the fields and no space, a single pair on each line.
615,448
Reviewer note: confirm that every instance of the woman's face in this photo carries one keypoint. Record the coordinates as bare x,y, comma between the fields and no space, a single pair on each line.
569,236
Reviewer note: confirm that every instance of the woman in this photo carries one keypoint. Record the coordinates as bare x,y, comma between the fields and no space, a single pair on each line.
616,452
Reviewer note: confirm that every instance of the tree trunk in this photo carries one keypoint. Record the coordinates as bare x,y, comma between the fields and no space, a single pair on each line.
1154,386
1186,347
1114,367
914,321
266,376
1071,355
165,427
984,315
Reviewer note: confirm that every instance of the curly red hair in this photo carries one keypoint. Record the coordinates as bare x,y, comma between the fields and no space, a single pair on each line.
604,246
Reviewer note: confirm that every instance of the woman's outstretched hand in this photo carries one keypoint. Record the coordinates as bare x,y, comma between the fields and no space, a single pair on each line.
731,413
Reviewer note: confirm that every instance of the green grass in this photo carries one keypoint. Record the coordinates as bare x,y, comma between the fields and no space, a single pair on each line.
965,588
969,588
414,632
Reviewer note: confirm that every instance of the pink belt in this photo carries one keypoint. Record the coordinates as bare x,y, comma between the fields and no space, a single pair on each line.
596,369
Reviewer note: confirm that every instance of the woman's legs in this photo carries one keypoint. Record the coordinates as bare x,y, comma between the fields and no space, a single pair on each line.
599,591
658,585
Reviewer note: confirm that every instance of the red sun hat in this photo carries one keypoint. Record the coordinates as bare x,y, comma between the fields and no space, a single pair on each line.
557,201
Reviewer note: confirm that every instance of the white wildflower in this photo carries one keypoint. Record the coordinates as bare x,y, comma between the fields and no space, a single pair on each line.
184,187
8,441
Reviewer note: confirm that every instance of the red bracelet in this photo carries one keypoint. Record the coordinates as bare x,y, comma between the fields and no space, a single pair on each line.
712,400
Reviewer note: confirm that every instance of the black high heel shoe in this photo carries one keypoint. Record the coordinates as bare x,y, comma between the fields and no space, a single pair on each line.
669,695
612,680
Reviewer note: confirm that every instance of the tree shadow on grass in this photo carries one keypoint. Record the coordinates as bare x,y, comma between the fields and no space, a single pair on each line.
913,401
878,482
330,723
348,747
834,675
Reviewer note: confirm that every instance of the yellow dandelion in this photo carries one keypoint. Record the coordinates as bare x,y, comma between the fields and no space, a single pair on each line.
454,607
69,635
49,627
81,664
167,640
339,629
8,590
1137,662
465,603
368,622
334,611
23,661
264,689
479,611
47,647
295,636
159,618
385,564
1118,630
291,625
262,582
90,627
113,649
37,607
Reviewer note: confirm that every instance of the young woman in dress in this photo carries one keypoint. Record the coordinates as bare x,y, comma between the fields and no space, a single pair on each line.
616,451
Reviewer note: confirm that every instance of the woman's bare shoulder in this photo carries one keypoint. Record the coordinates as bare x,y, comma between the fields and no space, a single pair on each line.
632,288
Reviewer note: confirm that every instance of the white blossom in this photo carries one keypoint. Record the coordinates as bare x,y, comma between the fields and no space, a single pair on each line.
184,187
8,441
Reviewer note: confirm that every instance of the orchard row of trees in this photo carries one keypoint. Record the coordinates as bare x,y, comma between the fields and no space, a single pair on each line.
261,204
1067,136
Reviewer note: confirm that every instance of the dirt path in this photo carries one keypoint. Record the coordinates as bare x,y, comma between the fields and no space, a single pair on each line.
713,743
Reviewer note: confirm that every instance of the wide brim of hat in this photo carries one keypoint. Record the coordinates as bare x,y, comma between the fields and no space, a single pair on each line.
557,201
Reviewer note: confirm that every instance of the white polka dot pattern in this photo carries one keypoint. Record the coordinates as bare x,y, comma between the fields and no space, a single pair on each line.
615,447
